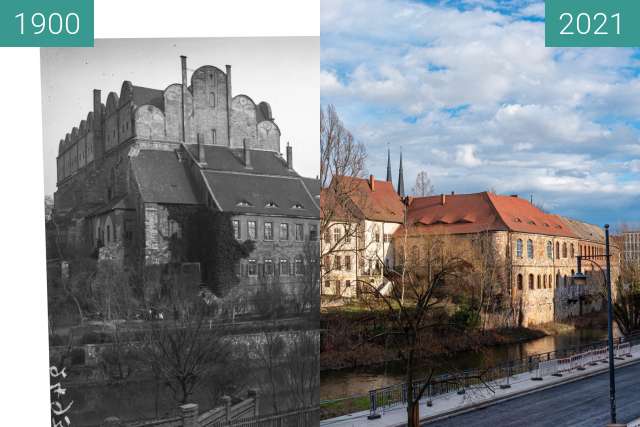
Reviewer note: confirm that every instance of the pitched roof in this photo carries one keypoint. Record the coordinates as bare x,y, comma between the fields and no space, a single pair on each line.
460,213
162,178
584,230
147,96
121,203
313,185
225,159
477,212
261,194
520,215
381,203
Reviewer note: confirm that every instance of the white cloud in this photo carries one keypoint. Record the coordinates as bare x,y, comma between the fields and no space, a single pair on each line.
475,94
466,156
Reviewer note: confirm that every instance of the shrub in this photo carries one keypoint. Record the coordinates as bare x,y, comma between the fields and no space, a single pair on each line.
96,337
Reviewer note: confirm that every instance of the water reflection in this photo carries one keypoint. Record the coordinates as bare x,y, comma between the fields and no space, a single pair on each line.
354,382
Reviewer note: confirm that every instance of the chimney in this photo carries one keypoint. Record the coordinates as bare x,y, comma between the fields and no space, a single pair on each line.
229,98
97,110
246,153
202,158
183,66
289,157
443,199
372,183
453,193
514,195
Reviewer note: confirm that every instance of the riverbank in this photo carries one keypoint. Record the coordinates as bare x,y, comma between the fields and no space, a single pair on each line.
345,343
346,390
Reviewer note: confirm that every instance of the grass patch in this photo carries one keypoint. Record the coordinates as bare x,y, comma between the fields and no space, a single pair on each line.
331,409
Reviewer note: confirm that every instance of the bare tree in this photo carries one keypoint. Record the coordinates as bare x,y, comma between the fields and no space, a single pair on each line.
184,350
421,283
342,165
111,291
626,308
424,186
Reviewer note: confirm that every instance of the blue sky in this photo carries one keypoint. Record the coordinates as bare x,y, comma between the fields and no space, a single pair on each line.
470,94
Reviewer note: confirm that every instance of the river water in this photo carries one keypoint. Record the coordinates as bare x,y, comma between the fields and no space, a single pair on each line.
358,381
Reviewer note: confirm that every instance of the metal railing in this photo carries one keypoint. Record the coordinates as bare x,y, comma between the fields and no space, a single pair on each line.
554,363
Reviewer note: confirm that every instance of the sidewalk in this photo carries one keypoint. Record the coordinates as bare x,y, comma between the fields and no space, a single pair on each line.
452,404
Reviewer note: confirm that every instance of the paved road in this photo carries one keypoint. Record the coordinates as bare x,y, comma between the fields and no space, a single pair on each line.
582,403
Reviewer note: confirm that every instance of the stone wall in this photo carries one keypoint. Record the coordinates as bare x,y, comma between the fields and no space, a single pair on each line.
275,250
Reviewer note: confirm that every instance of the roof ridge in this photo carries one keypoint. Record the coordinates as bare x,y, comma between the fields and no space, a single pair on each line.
489,197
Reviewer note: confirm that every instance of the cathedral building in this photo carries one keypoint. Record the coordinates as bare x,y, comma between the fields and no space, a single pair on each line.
139,168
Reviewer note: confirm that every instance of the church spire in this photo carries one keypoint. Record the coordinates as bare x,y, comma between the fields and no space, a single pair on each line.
400,178
389,179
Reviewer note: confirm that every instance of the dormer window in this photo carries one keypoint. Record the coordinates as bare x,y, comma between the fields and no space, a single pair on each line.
271,205
297,206
243,203
531,222
517,219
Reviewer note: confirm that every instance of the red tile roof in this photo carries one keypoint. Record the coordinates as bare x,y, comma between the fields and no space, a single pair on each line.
381,203
477,212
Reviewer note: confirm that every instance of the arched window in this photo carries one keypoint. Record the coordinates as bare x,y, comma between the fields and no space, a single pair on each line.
572,252
530,249
530,281
519,248
549,250
564,250
558,278
565,280
212,99
519,282
539,282
557,250
544,281
550,281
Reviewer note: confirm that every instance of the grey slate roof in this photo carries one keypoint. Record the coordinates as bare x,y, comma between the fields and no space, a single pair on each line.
251,194
162,178
144,95
121,203
313,185
584,230
262,162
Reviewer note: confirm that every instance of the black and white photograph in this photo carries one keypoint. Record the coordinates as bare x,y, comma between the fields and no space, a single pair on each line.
182,231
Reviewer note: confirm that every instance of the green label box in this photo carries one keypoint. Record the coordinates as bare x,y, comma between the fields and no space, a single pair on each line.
592,23
46,23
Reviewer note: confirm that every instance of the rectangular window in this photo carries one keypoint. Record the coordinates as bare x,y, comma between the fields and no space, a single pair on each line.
313,232
284,266
327,284
299,266
338,261
387,237
299,232
347,283
251,230
327,263
347,262
213,136
336,234
252,267
284,231
268,231
268,267
236,229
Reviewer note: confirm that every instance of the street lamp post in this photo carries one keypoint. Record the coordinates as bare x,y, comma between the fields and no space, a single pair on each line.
580,279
